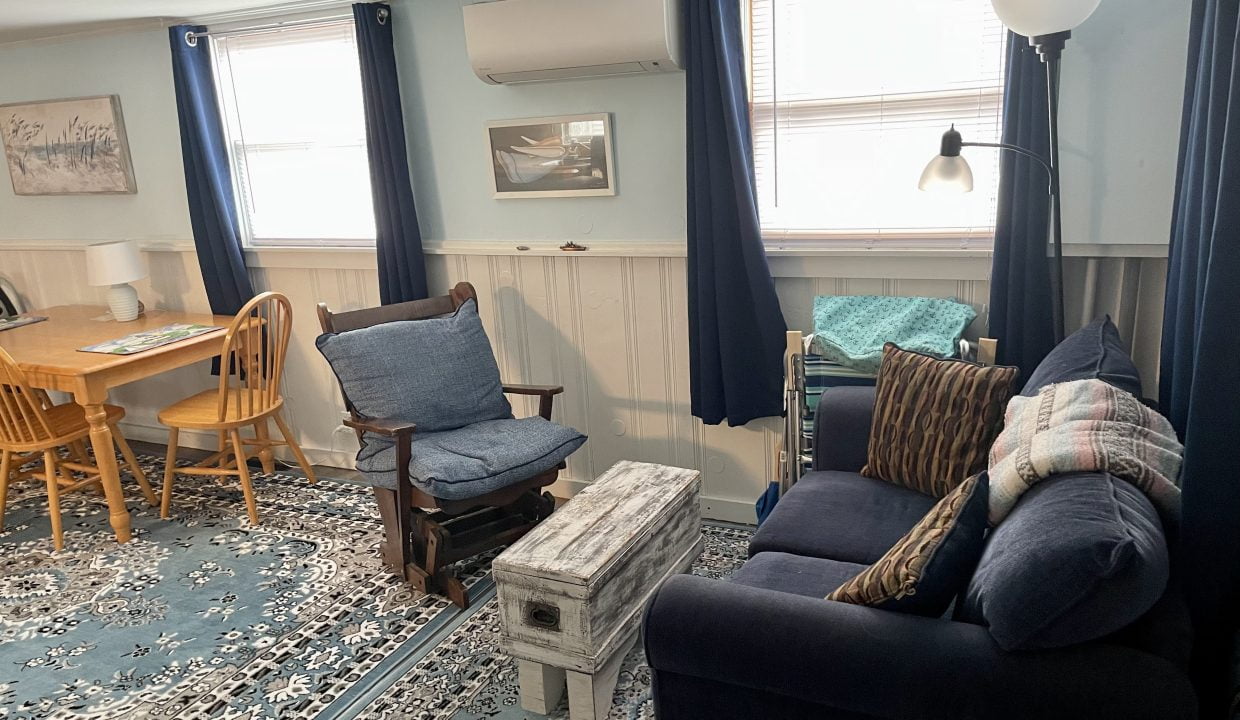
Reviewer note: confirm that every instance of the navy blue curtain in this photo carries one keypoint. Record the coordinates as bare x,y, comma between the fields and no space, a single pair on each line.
402,269
1020,279
208,179
736,328
1200,385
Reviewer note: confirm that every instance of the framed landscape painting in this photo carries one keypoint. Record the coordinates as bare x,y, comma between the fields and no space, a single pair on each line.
67,147
566,156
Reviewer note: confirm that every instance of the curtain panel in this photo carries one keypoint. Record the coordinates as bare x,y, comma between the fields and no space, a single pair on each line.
1200,387
1020,279
736,327
208,177
398,241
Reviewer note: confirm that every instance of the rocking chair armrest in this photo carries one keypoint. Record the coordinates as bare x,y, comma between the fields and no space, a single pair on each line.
545,394
540,390
387,428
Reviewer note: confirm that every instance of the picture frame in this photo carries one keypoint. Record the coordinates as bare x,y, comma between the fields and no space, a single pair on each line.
559,156
68,146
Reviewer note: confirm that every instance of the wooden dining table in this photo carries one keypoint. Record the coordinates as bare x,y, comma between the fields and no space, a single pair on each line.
49,353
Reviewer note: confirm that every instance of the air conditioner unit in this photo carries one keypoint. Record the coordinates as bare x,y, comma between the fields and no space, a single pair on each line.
515,41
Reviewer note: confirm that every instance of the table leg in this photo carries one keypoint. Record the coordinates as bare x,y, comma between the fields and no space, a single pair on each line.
541,686
589,696
105,459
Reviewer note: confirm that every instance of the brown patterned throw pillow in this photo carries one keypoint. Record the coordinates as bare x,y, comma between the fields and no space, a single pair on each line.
932,563
934,419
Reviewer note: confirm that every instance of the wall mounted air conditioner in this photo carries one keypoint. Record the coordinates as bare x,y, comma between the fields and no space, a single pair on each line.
515,41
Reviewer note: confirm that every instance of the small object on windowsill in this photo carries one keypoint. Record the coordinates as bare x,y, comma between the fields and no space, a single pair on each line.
523,248
571,246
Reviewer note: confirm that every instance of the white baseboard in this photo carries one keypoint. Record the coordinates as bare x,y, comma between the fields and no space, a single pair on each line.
737,511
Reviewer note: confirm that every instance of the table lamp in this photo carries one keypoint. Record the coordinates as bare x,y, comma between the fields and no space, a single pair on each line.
116,264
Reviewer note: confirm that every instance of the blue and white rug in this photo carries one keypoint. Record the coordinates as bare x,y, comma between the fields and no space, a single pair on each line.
200,615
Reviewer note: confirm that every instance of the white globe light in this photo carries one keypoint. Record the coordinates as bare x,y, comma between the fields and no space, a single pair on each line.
1032,18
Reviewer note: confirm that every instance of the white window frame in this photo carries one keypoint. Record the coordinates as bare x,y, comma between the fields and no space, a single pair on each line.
952,104
236,147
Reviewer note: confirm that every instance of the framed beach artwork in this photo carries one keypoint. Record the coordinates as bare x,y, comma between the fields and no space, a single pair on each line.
67,147
567,156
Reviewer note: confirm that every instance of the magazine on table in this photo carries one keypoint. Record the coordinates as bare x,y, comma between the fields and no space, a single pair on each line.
150,339
19,320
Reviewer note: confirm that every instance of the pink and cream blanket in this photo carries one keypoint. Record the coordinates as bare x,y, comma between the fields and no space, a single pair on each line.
1079,426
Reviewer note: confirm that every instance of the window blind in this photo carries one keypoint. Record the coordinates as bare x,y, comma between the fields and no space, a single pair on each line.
291,101
849,101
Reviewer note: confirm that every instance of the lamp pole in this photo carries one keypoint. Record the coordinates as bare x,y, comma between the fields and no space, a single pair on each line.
1050,48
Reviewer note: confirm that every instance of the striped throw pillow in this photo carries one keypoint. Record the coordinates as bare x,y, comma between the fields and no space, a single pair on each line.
923,572
934,419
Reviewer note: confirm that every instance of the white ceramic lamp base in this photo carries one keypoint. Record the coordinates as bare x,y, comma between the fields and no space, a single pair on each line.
123,300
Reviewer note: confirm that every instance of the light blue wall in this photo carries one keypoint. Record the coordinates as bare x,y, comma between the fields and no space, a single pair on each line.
446,106
1120,111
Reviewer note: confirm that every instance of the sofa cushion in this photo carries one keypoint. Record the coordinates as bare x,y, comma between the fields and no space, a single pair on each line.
934,419
796,574
475,460
925,570
1081,556
1095,352
841,516
438,373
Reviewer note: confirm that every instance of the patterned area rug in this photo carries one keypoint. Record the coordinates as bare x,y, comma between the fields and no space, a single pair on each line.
201,615
465,676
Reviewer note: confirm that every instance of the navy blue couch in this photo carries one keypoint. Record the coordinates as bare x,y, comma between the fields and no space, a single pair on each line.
765,644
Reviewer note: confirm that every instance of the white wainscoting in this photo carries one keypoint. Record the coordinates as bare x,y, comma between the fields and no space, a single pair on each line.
611,327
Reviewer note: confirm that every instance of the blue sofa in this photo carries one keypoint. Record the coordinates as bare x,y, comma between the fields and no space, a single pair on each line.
765,644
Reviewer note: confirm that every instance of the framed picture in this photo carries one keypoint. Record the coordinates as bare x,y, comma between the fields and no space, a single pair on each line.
567,156
67,147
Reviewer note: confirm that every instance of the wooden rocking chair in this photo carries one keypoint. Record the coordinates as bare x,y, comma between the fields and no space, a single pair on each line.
425,534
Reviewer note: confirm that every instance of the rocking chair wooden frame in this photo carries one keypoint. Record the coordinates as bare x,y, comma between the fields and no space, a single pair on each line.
424,535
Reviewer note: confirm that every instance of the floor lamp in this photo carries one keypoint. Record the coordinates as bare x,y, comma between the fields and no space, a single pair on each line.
1048,24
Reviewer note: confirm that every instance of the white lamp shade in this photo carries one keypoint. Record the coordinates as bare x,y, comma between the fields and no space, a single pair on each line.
1032,18
114,264
947,175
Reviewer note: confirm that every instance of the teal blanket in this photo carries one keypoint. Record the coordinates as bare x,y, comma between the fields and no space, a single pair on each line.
852,329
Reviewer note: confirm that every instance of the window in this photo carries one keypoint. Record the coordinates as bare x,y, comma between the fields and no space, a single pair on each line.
292,106
849,101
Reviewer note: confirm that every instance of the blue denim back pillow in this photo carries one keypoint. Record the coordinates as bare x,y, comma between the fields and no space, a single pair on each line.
439,374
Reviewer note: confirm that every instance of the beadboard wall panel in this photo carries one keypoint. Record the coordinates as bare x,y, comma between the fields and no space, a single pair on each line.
613,330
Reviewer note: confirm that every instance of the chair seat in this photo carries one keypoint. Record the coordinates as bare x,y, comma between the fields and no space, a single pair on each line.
203,411
68,423
840,516
474,460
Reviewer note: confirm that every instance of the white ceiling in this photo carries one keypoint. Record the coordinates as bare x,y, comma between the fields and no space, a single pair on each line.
33,19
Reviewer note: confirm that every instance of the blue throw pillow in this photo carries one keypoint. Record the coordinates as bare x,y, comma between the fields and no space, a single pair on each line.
1081,556
1095,352
438,373
923,572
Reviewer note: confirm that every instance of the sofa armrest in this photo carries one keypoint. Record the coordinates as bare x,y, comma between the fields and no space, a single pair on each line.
890,665
842,428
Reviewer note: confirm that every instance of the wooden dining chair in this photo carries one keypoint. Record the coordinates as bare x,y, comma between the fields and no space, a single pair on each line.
32,428
252,365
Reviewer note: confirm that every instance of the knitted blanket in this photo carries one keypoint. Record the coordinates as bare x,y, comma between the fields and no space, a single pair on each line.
1082,426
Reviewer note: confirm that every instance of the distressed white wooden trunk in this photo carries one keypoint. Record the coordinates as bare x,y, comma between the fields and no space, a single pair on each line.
571,591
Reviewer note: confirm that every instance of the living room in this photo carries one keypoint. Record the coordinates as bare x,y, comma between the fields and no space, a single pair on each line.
365,156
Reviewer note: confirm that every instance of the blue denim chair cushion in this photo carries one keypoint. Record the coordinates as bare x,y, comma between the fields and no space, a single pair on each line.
1081,556
438,373
1095,352
472,461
